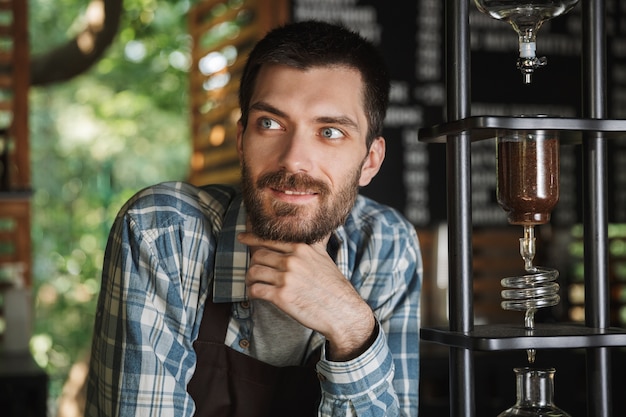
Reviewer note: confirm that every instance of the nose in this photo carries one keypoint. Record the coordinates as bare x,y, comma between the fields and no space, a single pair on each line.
296,154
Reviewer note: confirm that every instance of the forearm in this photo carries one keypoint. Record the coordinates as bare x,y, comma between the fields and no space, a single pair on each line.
392,376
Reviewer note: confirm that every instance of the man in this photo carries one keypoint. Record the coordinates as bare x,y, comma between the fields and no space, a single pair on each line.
293,297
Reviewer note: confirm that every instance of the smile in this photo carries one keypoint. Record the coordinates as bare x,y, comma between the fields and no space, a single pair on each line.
291,192
294,196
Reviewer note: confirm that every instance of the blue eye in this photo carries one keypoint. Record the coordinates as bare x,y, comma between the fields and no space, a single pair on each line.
331,133
267,123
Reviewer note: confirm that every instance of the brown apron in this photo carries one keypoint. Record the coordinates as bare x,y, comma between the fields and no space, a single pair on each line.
227,383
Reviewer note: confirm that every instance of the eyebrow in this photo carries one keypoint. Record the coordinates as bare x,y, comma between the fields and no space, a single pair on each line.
263,106
339,120
336,120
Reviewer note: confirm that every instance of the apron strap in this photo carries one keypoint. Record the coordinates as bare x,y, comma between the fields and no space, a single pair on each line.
214,322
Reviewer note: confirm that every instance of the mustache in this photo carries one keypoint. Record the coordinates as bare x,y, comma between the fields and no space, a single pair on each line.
301,182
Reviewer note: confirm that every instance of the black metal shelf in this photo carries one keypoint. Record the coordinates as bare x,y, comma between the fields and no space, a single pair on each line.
499,337
484,127
462,128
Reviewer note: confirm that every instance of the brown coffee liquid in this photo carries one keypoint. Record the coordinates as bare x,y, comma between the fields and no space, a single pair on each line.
528,176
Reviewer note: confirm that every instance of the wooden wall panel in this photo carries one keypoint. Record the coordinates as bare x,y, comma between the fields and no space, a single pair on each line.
222,33
15,243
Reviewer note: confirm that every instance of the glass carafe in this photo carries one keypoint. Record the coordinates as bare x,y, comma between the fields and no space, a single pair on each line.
535,394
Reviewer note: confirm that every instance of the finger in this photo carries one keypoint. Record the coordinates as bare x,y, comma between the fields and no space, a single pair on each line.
269,258
320,246
253,240
261,291
260,275
262,282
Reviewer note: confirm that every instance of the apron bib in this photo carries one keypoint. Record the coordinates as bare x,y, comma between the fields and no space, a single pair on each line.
227,383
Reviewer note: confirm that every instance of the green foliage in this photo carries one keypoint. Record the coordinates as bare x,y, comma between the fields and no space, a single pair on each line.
95,141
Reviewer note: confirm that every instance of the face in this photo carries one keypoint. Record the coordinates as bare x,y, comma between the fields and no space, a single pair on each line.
303,153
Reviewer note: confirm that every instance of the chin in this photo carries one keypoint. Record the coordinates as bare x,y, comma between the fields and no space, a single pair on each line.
291,231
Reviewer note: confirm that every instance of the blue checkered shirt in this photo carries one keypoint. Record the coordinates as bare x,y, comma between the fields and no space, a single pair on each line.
173,245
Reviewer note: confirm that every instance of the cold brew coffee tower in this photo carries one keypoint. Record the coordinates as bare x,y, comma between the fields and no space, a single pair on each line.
519,139
528,190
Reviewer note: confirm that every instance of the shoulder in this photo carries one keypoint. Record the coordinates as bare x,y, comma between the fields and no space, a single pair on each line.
382,249
378,226
179,194
173,202
368,214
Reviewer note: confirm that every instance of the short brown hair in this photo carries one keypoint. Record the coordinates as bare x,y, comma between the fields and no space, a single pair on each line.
310,44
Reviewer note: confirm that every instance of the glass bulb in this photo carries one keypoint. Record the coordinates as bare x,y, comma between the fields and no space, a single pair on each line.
535,394
526,17
528,175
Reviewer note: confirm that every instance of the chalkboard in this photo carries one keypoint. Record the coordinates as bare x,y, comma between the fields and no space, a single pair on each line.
411,38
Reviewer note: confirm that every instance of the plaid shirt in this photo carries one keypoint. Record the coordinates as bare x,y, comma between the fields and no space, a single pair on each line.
172,245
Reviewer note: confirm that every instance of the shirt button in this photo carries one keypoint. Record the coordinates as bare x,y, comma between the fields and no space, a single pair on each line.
244,344
245,304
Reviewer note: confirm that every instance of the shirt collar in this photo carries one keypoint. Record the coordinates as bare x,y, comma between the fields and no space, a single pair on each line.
231,258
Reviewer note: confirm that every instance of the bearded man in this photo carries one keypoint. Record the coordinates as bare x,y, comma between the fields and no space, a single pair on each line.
292,295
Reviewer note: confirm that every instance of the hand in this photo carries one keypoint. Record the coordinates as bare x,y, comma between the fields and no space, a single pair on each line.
303,281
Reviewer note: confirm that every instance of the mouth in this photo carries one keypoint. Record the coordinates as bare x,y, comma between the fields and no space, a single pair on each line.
292,188
294,196
295,192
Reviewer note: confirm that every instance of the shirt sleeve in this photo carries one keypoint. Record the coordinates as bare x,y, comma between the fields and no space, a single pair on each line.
352,388
147,315
384,380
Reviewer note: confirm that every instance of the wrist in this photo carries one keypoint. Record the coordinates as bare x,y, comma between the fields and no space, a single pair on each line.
337,354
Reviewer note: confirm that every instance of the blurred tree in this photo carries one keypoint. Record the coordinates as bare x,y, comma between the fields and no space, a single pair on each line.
95,140
101,22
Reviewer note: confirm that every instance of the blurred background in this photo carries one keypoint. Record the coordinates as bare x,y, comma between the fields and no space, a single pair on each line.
96,138
109,96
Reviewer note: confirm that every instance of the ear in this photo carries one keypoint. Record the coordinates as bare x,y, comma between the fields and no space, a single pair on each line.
240,131
373,161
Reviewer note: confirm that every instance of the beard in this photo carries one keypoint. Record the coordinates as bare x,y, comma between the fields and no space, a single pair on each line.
285,222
